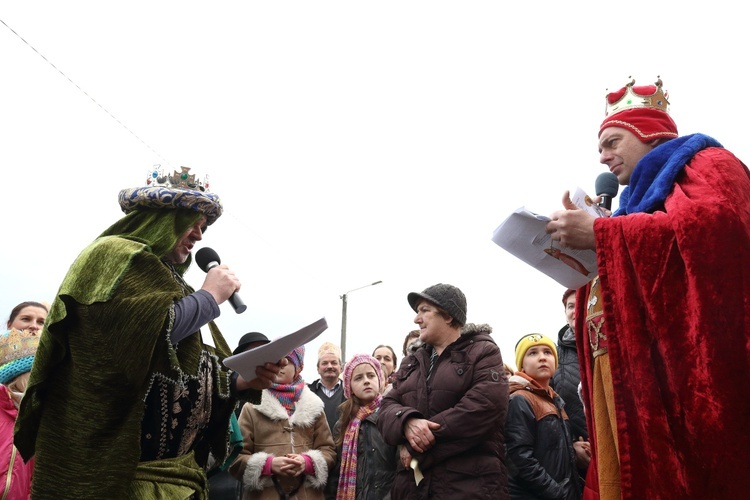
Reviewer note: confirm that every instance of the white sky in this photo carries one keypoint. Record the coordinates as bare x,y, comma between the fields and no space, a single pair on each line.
350,142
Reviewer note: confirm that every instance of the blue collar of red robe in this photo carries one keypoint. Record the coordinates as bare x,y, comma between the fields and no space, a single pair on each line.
653,177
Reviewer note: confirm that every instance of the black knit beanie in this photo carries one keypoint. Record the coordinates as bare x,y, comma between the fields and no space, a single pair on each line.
445,296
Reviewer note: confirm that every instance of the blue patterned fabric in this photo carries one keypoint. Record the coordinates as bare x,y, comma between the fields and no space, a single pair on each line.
161,197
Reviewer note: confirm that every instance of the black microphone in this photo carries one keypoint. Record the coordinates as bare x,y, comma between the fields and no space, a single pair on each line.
606,186
207,259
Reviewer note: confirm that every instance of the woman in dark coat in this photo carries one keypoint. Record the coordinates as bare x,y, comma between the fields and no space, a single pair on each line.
448,404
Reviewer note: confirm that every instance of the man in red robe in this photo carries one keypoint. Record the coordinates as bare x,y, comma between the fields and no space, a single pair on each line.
664,329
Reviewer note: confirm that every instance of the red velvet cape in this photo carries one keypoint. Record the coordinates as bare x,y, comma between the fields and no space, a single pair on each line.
676,297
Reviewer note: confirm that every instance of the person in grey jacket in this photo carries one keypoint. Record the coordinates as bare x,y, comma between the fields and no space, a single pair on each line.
448,404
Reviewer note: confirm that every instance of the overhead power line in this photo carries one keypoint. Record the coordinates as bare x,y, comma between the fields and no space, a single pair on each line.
303,269
83,91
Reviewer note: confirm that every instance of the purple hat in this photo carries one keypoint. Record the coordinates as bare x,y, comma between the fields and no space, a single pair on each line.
298,357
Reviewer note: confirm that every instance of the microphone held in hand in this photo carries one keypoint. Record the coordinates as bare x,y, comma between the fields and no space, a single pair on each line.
606,186
207,259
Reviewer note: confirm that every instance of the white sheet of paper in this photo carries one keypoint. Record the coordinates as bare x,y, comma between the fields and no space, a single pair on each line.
584,202
523,234
244,363
418,476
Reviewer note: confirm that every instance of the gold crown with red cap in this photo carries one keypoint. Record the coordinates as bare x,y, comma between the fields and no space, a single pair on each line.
644,110
630,99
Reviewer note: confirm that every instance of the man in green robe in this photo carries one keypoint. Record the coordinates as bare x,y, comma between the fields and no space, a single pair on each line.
125,400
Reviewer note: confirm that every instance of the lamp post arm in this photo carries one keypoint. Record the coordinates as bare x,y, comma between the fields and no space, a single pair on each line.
343,328
343,317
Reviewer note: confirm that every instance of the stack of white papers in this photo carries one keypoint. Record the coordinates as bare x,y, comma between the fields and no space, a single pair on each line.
523,234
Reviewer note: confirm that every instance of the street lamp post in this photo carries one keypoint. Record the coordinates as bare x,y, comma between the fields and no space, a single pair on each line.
343,317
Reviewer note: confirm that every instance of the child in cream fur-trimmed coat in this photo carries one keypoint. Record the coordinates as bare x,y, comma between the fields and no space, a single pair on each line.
287,445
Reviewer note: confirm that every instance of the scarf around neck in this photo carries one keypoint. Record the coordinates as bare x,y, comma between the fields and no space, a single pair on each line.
288,394
654,176
348,473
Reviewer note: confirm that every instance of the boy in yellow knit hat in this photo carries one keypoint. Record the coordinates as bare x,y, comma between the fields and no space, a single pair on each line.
542,454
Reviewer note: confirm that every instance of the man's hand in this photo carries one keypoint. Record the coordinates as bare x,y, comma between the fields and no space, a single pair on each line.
221,283
265,376
572,227
418,432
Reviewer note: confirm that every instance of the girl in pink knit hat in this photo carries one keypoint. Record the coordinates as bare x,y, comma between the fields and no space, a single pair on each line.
366,464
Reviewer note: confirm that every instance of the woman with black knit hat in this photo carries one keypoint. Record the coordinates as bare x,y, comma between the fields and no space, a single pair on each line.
447,406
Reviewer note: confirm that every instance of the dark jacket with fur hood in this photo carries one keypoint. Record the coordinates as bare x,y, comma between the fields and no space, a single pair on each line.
467,395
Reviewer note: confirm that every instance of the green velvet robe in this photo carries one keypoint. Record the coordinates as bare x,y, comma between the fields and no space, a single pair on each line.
108,391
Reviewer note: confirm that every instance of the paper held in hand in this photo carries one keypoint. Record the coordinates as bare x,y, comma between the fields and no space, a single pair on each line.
244,363
523,234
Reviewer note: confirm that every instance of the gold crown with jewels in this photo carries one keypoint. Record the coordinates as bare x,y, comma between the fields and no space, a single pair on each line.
630,99
178,190
182,179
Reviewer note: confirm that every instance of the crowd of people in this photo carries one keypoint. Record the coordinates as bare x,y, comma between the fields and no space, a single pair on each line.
111,392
